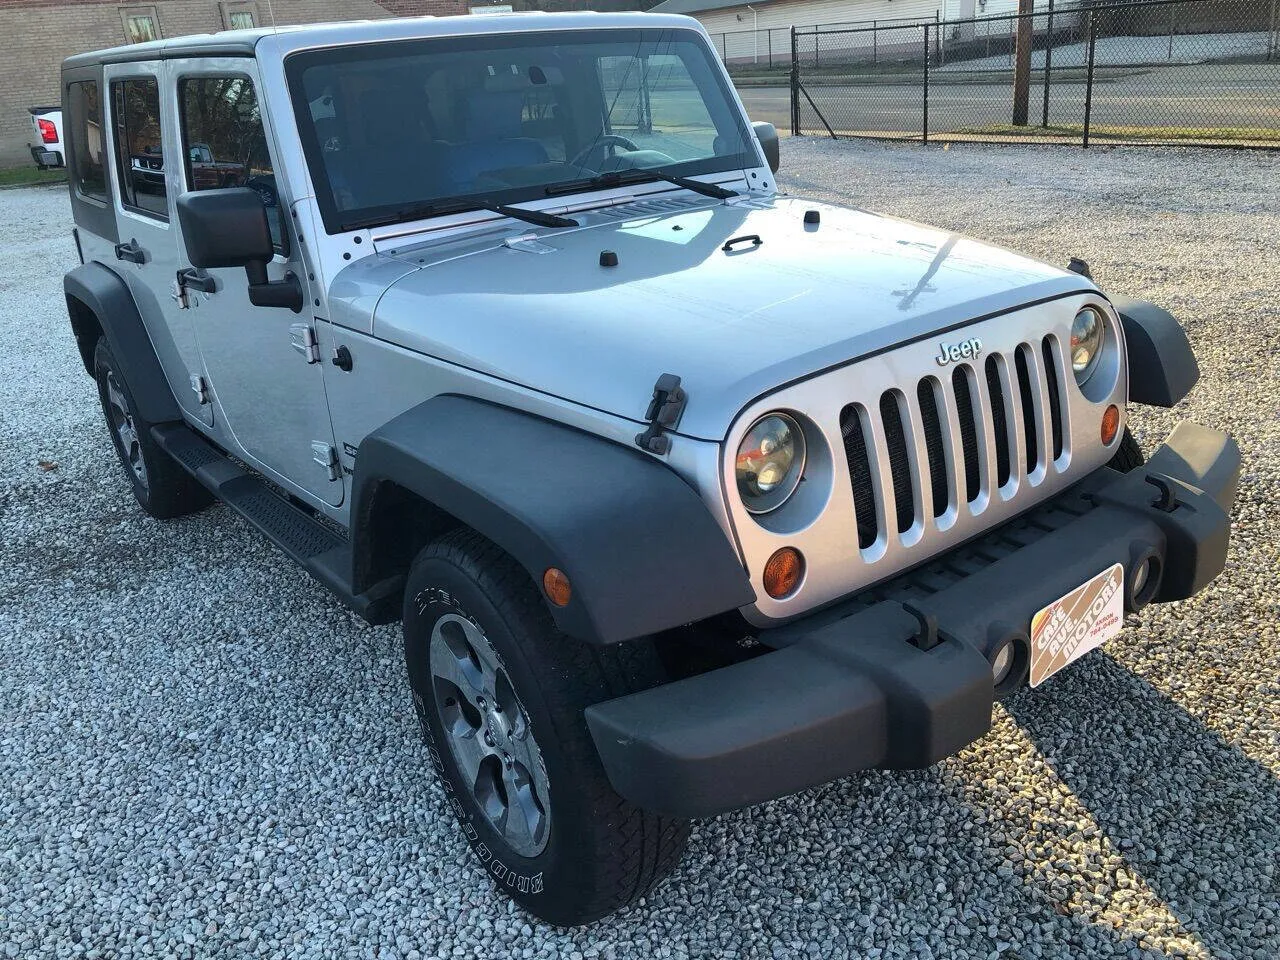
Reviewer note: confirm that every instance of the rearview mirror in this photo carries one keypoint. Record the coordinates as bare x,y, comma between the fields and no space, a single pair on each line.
767,134
228,228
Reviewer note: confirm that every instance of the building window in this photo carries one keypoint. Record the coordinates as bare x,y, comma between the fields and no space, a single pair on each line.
140,24
88,168
239,16
135,110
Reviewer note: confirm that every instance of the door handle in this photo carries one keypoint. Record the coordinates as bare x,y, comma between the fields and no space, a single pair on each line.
190,277
131,251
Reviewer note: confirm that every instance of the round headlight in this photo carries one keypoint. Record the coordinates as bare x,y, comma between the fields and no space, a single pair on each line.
769,463
1086,343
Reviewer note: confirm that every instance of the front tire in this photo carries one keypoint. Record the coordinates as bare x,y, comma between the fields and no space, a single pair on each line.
161,487
500,695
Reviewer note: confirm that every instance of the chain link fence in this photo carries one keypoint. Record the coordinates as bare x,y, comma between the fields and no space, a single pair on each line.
1149,71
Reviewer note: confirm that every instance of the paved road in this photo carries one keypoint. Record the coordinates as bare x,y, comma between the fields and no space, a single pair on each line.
1197,97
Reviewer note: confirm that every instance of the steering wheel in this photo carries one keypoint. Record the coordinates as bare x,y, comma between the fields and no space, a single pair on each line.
604,142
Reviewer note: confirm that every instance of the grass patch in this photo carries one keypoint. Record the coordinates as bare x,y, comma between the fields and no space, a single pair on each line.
29,175
1108,131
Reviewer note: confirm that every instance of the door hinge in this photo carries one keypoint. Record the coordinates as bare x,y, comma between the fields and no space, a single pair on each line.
201,391
324,454
303,338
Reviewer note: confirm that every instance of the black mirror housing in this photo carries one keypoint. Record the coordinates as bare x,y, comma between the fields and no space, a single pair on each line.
229,228
767,134
225,228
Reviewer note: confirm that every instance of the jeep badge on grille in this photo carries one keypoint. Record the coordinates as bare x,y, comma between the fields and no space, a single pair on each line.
969,349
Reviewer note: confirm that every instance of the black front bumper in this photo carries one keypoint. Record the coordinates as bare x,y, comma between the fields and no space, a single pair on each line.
902,680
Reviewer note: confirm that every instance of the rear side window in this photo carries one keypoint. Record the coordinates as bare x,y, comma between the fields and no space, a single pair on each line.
135,104
88,162
224,143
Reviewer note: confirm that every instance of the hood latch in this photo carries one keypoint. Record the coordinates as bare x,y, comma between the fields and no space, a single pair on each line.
663,414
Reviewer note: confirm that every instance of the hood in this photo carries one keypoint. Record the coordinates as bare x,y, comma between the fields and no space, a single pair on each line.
537,308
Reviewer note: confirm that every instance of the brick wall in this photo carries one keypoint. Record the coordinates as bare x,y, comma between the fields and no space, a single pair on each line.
37,35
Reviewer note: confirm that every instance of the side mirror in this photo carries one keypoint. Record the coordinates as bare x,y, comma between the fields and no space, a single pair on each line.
228,228
767,134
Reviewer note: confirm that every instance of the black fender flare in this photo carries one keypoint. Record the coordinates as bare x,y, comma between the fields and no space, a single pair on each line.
99,290
641,551
1162,366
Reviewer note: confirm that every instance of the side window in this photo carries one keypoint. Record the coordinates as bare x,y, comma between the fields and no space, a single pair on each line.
135,106
224,143
654,102
88,162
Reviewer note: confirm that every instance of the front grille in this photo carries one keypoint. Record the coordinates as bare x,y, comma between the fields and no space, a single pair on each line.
990,425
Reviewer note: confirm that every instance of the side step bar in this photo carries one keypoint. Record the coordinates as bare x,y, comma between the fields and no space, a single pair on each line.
318,549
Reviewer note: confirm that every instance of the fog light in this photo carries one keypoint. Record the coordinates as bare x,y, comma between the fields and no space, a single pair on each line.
1110,424
1141,574
783,572
1002,664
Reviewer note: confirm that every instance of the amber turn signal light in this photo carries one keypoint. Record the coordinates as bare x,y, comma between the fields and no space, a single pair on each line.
1110,424
556,584
783,572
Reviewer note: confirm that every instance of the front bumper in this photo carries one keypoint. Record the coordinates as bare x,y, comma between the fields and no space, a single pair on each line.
902,679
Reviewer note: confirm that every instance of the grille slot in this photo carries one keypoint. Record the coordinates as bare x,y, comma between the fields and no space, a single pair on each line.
853,429
927,396
1053,381
999,420
968,432
1029,405
899,466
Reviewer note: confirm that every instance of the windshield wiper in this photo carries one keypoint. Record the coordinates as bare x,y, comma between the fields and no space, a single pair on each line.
461,205
618,178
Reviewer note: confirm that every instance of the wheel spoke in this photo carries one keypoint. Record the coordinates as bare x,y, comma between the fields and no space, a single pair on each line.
526,817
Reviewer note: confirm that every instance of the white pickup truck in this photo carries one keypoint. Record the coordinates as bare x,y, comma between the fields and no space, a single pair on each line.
46,125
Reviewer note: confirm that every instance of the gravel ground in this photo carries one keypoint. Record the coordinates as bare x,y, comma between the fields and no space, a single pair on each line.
202,755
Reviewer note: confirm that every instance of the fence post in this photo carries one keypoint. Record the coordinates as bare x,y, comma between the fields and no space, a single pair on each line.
1088,84
925,109
1272,37
1172,27
1048,65
937,36
769,35
795,85
875,40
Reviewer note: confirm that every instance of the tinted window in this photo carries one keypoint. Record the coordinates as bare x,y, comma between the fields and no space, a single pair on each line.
88,162
135,105
224,143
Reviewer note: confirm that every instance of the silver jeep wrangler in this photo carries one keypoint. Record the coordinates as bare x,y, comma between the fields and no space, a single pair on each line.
689,495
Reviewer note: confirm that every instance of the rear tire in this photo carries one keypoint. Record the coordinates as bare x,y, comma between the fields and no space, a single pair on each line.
500,695
161,487
1128,455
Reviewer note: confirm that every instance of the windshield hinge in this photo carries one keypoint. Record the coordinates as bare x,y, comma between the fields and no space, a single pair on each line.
663,414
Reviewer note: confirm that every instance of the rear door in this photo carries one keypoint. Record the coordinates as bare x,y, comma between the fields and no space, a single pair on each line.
142,140
263,362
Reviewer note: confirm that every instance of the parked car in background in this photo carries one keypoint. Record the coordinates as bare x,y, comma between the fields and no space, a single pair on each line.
46,125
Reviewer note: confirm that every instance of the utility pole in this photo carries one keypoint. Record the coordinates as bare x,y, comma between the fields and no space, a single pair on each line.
1022,63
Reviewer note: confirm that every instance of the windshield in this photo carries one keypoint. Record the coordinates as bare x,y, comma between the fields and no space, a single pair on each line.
391,129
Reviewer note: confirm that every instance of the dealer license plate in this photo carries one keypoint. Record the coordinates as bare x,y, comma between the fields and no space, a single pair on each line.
1085,618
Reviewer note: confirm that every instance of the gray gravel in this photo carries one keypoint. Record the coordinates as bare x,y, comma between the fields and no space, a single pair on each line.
202,755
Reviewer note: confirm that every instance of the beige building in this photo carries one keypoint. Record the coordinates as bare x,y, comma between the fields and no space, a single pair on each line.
36,35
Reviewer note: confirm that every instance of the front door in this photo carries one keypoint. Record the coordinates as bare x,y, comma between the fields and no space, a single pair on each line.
142,140
266,379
